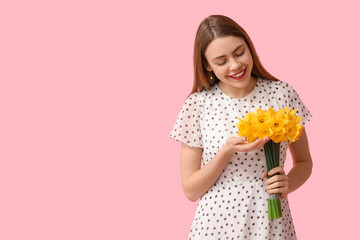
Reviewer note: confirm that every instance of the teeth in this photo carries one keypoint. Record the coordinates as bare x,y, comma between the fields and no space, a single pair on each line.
238,75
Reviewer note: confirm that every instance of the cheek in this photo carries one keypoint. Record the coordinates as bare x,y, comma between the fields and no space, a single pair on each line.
219,73
249,59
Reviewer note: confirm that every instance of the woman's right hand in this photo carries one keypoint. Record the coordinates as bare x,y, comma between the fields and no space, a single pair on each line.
239,144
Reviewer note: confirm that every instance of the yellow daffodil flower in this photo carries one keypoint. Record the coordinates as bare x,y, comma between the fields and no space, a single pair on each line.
282,125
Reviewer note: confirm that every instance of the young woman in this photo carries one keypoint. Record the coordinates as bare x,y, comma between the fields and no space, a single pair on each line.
231,183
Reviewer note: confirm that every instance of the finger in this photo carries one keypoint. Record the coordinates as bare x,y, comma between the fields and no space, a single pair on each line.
275,170
251,146
277,185
263,140
277,178
278,190
238,140
264,175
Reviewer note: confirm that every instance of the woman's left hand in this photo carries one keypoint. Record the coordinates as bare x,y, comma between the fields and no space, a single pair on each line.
278,183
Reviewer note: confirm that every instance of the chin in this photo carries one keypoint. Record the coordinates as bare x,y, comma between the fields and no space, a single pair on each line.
241,83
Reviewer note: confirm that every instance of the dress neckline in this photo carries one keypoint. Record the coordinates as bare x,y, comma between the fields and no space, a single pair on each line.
250,95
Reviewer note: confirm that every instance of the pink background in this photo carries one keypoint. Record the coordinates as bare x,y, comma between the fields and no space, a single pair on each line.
91,89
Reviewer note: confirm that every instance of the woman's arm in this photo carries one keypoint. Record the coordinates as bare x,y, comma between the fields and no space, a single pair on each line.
196,181
302,162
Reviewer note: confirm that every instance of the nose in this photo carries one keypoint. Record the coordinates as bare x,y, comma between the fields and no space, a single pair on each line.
234,65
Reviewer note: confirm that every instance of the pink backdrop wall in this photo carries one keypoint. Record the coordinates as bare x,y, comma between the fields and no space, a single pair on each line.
91,89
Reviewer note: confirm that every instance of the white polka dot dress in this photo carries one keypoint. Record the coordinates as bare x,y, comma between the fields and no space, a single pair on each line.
236,205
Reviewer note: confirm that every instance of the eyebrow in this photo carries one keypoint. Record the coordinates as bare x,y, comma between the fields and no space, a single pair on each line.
233,52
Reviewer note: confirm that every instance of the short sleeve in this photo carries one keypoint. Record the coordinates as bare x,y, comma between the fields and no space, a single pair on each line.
292,100
187,126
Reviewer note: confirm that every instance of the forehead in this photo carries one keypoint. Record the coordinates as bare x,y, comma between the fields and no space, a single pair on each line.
223,46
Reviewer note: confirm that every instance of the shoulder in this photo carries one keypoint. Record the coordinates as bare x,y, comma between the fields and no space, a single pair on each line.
278,87
199,98
286,88
193,100
274,84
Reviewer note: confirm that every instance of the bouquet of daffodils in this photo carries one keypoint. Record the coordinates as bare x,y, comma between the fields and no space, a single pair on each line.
282,125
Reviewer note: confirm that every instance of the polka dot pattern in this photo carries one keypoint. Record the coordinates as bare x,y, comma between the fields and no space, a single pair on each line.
187,126
236,206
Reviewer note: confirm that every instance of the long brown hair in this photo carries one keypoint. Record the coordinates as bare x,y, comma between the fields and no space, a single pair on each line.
213,27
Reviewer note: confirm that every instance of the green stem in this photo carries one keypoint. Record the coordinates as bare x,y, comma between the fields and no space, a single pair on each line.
272,155
270,211
274,207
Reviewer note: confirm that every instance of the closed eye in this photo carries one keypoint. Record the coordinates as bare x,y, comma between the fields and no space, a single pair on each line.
240,54
222,63
237,55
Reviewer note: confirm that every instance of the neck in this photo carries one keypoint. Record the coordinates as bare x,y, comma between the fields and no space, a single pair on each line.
236,92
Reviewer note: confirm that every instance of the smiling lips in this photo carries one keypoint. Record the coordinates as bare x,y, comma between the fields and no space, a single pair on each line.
239,75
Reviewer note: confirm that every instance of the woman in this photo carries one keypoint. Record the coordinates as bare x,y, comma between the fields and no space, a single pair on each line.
229,82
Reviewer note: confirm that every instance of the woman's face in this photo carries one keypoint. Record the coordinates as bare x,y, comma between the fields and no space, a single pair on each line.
230,59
